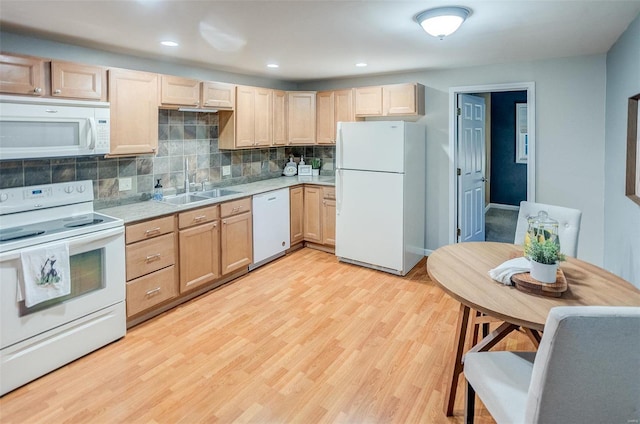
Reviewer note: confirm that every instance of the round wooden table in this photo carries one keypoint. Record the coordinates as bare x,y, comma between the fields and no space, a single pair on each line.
462,271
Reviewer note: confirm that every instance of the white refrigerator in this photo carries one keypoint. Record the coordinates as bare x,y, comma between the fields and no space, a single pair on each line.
380,194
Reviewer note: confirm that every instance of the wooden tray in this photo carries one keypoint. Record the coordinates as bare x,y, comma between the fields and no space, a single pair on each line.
525,283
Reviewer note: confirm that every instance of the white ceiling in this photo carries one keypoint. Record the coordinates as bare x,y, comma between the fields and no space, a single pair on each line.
313,40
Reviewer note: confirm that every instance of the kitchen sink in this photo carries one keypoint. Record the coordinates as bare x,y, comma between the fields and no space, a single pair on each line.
217,192
184,199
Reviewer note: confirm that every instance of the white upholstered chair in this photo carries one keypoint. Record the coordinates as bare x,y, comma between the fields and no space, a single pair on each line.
568,224
586,370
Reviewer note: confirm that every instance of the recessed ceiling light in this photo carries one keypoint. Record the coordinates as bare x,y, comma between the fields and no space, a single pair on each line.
273,65
169,43
361,65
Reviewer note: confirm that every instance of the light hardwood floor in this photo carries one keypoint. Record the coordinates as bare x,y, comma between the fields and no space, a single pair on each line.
304,339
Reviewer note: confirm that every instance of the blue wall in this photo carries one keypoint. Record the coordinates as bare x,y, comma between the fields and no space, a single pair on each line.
508,178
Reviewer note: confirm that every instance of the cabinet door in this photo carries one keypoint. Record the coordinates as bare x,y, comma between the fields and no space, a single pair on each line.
236,242
280,118
199,255
296,214
218,95
399,99
329,222
21,75
302,117
179,91
134,112
245,116
369,101
263,117
78,81
325,117
343,106
312,214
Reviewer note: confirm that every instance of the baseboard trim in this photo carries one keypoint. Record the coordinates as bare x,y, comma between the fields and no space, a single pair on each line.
500,206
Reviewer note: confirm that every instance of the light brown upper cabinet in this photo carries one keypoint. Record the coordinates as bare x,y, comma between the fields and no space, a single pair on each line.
178,91
78,81
280,118
302,117
390,100
134,112
30,76
251,123
332,107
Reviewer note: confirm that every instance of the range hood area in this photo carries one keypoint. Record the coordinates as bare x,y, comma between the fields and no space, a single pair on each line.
195,109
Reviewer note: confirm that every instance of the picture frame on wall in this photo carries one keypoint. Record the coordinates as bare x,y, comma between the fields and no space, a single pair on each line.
632,189
522,133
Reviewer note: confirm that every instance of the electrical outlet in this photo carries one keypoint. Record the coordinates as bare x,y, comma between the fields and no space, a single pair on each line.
226,170
124,184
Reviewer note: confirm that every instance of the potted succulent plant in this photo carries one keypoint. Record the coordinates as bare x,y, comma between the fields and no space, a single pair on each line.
315,166
544,254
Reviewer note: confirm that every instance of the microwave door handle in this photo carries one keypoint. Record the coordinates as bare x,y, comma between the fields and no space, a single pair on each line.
94,133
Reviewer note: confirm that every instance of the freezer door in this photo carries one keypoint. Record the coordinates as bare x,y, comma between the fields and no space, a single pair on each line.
369,217
373,146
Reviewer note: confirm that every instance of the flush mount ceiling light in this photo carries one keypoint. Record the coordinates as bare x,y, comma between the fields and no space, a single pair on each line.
361,65
273,65
169,43
442,21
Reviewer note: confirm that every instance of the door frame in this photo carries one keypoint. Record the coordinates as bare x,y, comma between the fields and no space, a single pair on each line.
530,88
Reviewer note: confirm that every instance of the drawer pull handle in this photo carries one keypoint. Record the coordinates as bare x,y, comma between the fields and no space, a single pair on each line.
153,291
152,231
200,218
224,222
154,257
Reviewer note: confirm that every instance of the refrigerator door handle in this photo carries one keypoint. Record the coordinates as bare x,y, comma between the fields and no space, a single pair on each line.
341,144
339,191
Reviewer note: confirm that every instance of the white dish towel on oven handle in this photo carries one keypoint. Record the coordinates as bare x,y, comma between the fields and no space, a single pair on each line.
46,274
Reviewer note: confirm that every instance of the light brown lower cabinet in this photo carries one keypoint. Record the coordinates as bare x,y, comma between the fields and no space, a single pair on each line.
296,215
312,214
150,264
236,235
329,216
199,247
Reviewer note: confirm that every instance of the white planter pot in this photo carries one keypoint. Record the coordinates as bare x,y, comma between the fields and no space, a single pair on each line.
543,272
315,172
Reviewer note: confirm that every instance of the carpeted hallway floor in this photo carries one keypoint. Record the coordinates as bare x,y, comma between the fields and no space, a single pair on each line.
500,225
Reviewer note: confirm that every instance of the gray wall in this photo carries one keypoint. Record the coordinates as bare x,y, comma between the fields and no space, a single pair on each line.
570,99
621,215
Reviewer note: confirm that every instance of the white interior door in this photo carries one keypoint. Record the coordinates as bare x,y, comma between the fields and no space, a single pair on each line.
471,165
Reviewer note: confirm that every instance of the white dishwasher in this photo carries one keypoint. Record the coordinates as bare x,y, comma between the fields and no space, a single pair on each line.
270,226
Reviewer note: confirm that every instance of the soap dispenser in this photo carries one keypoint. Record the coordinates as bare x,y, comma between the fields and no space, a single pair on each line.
157,191
301,160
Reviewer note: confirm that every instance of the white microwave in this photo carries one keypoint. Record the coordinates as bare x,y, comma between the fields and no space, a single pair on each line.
46,128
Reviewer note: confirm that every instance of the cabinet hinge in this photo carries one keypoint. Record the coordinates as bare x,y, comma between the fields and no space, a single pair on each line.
459,171
458,111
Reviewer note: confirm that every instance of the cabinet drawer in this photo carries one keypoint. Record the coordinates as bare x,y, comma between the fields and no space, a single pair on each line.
147,291
198,216
329,193
148,229
235,207
150,255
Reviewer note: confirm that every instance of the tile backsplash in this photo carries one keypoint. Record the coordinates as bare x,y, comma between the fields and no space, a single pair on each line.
189,137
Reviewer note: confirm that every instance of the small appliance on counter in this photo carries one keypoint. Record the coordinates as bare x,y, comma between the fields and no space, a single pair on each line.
290,169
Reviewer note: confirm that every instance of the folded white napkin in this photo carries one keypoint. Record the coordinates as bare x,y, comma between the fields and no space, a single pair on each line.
46,274
505,270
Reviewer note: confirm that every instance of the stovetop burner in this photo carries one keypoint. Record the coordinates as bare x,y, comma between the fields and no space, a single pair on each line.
83,223
19,233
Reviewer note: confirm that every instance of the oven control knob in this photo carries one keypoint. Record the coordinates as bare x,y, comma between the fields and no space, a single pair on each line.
80,189
4,197
68,189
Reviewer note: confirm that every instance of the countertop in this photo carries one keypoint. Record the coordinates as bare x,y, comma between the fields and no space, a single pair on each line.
149,209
